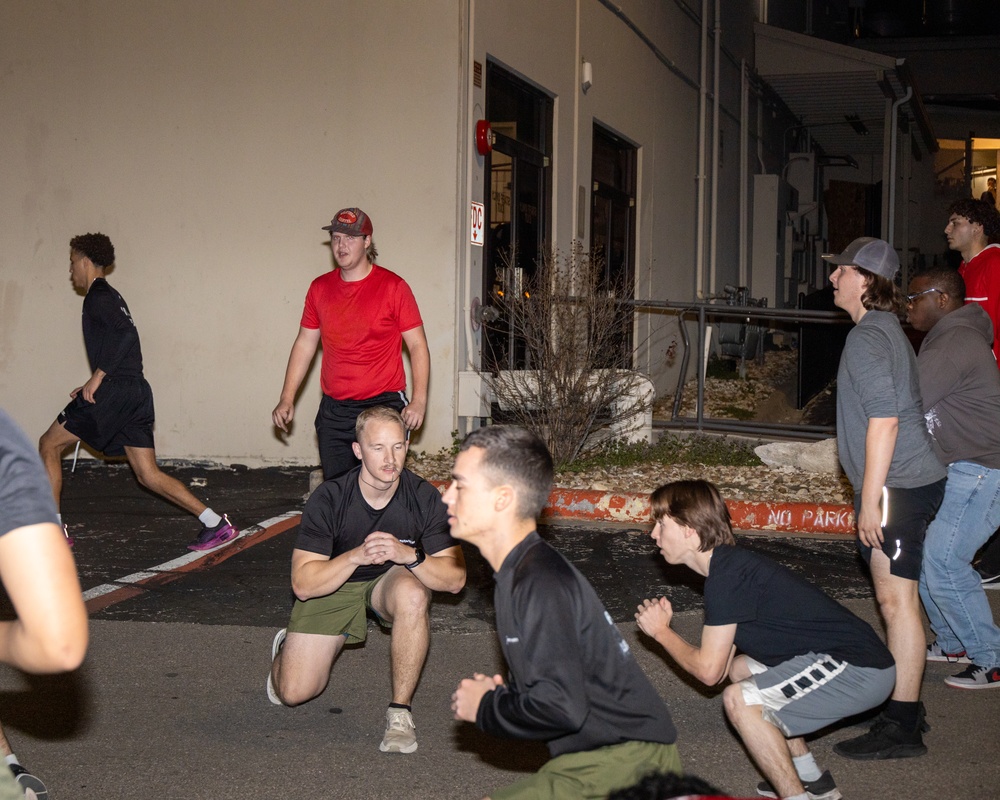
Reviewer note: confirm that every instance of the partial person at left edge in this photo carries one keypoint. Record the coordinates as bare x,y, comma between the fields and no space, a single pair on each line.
49,633
113,411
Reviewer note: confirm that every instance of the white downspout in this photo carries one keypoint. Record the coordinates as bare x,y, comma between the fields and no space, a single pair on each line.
891,230
744,168
702,114
714,218
465,158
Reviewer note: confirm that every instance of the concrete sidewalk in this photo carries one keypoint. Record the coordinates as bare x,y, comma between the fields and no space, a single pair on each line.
170,711
170,702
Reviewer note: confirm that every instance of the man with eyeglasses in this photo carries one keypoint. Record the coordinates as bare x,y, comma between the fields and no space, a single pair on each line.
363,314
960,387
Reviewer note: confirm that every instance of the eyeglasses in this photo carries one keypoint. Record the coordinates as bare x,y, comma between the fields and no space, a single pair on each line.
911,297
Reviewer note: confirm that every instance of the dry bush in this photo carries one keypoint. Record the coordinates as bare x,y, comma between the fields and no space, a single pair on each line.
577,388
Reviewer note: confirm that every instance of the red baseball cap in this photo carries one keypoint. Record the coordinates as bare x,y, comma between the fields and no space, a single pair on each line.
352,221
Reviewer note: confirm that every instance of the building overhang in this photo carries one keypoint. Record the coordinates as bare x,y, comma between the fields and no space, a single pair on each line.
842,94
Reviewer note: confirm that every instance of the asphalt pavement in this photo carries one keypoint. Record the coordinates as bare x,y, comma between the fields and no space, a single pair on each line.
170,702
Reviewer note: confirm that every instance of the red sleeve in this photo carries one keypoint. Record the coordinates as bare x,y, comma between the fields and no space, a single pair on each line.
310,318
409,314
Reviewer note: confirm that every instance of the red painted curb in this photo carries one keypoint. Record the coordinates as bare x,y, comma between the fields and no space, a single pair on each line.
634,508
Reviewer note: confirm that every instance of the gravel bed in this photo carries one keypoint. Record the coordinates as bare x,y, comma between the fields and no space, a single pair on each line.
724,398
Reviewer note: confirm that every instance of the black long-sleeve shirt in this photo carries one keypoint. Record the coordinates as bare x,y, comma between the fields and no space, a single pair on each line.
109,334
573,680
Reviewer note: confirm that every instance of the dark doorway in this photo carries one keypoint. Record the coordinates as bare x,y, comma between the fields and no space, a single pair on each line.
612,230
518,174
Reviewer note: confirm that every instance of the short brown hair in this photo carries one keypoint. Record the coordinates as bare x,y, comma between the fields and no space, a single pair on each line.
377,414
696,505
517,456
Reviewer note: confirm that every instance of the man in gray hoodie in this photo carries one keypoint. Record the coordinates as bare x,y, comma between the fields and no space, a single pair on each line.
960,388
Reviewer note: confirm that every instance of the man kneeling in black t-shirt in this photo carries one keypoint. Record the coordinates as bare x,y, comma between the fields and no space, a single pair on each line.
374,539
806,661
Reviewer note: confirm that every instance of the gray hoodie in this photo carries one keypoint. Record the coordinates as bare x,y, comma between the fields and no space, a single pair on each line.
960,387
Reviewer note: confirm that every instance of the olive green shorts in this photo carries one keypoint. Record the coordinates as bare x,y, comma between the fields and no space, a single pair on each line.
339,614
594,774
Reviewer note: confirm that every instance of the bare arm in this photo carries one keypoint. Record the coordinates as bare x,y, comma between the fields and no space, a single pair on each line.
37,570
315,575
90,387
880,443
443,571
709,662
303,351
420,366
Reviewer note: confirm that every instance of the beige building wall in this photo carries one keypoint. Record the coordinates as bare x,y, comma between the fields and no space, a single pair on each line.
212,141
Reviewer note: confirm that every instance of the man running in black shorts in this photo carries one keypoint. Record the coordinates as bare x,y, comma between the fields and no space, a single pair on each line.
113,411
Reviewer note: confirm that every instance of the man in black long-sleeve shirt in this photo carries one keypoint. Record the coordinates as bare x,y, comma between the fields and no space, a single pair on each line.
113,411
573,681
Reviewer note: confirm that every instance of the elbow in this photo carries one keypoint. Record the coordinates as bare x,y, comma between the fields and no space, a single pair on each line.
710,676
456,584
300,591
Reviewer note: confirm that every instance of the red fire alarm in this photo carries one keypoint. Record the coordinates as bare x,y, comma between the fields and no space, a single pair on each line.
484,137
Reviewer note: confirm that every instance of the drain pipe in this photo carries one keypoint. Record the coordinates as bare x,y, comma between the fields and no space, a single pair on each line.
714,219
702,117
744,168
892,167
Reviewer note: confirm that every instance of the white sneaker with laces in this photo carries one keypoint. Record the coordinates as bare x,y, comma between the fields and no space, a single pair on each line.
400,732
279,640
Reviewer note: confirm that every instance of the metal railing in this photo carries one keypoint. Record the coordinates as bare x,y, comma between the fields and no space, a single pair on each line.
706,311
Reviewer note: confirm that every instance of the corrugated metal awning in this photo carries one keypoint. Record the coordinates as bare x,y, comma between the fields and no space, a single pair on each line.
837,91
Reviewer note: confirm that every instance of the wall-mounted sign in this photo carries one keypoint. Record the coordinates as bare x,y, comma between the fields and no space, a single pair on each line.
478,234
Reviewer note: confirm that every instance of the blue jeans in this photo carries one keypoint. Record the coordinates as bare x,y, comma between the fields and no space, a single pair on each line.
950,588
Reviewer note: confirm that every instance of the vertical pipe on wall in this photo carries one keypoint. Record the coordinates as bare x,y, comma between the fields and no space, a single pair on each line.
466,155
702,116
576,198
744,169
714,200
892,165
907,178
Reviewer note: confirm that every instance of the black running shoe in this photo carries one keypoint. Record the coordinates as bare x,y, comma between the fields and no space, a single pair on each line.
886,739
28,781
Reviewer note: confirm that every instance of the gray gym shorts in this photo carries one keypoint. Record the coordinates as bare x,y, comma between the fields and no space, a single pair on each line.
811,691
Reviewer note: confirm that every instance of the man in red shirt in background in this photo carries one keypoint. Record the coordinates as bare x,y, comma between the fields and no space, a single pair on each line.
363,314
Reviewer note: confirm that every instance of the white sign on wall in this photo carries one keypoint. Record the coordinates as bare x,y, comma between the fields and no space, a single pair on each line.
478,213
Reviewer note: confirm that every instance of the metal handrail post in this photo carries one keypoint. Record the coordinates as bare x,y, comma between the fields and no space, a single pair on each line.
701,369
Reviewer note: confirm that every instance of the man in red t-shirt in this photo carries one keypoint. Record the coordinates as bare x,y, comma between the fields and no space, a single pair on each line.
971,225
362,313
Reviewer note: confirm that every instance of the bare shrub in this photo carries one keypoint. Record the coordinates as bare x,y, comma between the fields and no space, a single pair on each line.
577,388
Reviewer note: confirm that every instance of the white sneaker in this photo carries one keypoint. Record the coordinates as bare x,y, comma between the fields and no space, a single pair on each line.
279,640
400,732
935,653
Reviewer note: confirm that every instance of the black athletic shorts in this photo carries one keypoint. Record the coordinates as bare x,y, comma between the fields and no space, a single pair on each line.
122,415
907,516
335,422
